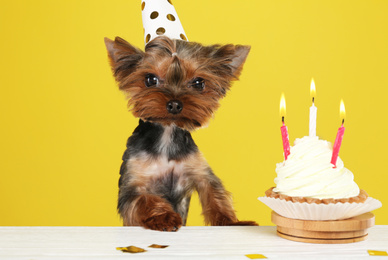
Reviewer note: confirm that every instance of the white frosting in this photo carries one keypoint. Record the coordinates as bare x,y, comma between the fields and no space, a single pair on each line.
308,172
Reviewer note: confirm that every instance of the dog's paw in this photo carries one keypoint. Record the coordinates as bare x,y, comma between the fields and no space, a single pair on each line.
168,221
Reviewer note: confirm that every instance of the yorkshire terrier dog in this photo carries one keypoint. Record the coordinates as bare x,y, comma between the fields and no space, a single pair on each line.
173,87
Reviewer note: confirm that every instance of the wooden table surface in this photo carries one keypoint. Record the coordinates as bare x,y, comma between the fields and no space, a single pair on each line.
35,243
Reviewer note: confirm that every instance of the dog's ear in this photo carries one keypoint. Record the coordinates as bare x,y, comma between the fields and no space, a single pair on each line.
123,57
240,55
232,58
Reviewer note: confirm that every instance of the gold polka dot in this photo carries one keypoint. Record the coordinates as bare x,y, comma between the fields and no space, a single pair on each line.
142,6
183,37
154,15
160,31
148,37
169,1
171,17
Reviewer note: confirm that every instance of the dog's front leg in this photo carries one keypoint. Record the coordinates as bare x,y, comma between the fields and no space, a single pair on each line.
217,206
152,212
216,202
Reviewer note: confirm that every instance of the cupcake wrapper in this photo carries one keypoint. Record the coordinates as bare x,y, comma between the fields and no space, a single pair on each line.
306,211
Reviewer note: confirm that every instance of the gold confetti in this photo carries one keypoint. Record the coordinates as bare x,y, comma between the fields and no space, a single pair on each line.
157,246
379,253
255,256
131,249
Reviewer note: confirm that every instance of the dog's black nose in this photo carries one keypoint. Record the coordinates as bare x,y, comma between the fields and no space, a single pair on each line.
174,107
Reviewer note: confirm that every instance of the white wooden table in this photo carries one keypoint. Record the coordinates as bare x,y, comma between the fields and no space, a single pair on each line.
35,243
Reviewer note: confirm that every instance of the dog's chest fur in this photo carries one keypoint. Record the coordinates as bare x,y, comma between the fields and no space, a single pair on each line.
160,160
155,140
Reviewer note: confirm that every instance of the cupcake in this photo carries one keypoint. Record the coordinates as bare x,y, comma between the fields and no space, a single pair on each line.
309,187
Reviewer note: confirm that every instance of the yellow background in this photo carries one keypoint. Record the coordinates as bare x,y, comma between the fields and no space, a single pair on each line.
64,123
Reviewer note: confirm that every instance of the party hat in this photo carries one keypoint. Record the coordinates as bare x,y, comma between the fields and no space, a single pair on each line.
160,18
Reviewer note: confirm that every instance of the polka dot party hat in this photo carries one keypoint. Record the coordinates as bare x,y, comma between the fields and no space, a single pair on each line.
160,18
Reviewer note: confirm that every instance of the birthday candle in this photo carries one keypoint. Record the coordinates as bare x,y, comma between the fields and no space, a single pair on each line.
313,111
340,135
283,128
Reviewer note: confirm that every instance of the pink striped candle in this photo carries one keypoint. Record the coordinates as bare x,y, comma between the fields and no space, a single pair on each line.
340,136
286,142
283,129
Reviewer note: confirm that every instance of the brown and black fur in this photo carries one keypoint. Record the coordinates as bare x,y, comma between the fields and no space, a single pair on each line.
173,87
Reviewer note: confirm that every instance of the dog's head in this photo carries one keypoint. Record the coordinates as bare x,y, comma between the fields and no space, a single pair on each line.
174,81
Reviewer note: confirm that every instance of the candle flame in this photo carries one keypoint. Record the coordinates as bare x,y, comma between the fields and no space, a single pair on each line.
313,91
282,106
342,111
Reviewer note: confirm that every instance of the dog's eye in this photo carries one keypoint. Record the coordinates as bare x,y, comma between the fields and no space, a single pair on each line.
151,80
198,84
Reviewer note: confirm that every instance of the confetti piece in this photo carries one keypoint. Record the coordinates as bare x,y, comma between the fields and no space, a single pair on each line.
131,249
157,246
255,256
379,253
